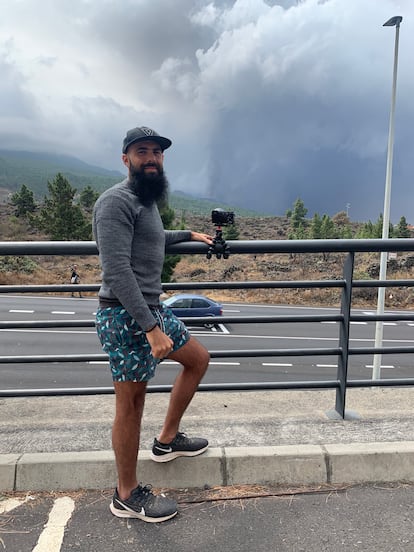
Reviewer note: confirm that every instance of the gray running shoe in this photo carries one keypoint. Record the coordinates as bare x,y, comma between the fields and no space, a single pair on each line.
181,445
143,504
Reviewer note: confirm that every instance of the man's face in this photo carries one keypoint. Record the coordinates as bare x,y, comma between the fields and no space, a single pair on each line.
144,158
146,174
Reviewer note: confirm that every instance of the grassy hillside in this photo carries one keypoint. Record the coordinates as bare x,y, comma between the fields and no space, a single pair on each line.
36,169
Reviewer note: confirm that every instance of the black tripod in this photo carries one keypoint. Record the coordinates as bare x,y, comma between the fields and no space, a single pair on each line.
219,247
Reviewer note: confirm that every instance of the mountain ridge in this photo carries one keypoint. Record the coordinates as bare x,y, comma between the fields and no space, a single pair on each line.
35,169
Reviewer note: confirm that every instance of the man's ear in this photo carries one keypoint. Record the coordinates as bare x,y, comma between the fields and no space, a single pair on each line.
125,160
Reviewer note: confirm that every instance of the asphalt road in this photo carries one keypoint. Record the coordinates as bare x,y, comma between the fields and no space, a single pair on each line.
365,518
50,341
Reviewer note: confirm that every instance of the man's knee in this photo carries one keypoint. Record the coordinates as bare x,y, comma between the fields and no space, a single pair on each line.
130,397
205,358
202,360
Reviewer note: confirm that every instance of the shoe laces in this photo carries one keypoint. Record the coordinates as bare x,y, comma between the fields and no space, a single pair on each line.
180,437
144,492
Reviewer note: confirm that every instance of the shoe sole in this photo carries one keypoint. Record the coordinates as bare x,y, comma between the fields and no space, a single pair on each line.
173,455
127,514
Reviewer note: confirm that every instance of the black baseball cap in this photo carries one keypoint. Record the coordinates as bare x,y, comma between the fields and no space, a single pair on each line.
139,134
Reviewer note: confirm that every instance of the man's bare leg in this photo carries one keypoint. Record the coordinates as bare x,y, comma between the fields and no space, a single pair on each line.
194,358
130,400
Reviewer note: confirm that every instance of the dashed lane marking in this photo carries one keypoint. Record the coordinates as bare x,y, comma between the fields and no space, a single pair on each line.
51,538
22,311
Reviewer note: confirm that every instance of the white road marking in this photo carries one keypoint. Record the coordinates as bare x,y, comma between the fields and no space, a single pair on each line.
327,366
10,504
21,310
382,366
359,323
389,323
281,364
51,538
223,328
62,312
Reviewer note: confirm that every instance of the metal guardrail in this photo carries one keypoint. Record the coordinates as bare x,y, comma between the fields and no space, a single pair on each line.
346,284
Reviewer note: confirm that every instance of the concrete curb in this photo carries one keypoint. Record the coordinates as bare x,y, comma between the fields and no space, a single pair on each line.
287,465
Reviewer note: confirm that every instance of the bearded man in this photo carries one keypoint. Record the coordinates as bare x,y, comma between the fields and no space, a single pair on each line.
135,329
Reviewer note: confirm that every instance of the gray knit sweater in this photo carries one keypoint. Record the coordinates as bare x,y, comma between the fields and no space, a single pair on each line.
131,242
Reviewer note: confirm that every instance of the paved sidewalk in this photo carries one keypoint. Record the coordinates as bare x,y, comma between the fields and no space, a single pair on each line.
52,443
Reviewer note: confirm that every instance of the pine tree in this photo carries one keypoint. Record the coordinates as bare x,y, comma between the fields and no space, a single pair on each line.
316,227
59,217
87,198
328,230
402,230
231,232
23,201
298,214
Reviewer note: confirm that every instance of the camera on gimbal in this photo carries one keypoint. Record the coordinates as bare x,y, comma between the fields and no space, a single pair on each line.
219,247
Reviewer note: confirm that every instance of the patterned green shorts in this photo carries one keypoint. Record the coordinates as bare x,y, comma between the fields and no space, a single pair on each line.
126,344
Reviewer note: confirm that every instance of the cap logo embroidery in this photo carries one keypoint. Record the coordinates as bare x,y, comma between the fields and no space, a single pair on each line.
147,131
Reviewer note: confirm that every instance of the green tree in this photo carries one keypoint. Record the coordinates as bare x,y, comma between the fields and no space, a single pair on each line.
23,201
316,227
87,198
298,214
298,233
170,261
402,231
59,217
231,232
373,231
328,230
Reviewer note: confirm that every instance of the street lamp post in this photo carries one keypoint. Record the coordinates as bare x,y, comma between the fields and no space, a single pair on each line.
376,371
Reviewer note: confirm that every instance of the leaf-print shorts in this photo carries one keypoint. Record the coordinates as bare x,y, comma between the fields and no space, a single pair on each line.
126,344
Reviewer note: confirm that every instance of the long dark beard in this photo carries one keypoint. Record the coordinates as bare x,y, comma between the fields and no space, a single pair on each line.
150,188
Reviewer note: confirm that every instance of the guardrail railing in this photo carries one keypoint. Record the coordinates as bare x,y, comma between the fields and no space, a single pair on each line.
344,317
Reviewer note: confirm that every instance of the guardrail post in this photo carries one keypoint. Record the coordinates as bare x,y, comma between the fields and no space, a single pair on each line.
346,299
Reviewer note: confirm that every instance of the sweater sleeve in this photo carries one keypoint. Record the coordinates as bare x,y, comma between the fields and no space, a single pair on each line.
176,236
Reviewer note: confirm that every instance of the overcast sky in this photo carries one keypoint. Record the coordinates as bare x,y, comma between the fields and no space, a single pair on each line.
265,101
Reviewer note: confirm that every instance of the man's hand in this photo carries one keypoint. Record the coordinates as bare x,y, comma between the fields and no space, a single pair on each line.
198,236
161,344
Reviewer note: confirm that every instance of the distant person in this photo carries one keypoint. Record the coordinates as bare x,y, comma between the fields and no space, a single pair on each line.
75,278
135,328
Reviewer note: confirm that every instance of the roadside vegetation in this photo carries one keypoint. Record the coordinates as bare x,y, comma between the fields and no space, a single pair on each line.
65,214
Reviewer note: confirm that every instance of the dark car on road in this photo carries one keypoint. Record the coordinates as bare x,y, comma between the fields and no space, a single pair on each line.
187,304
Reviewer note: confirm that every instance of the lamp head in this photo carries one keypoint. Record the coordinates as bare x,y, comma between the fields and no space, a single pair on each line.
394,21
